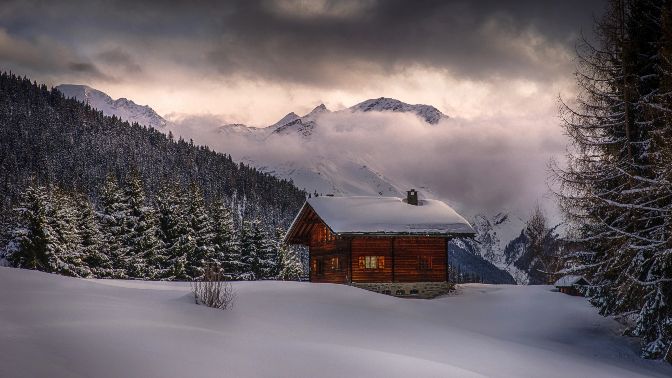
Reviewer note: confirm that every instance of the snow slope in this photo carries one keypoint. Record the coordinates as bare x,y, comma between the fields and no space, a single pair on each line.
123,108
62,327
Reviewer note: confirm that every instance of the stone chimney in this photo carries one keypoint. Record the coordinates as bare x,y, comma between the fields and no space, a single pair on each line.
412,197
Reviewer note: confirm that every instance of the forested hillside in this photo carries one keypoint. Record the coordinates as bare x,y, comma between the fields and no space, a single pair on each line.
48,139
60,162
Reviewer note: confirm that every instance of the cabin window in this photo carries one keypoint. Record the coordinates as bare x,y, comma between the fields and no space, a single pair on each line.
323,235
371,262
318,266
424,262
335,263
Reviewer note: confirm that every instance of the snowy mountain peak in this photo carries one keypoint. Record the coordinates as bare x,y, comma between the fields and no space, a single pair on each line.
290,117
429,113
83,92
123,108
318,110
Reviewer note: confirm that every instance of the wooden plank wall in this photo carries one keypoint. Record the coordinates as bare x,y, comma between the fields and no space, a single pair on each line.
371,246
401,258
407,252
325,251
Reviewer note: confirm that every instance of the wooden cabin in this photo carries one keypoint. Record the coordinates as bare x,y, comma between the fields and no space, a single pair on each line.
571,284
377,239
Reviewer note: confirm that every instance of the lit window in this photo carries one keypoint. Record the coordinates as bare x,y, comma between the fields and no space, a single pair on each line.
335,263
372,262
323,235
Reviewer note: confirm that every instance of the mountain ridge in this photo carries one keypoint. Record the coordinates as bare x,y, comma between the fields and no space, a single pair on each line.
122,107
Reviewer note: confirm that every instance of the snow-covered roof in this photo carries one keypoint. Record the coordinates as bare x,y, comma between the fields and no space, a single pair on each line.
386,215
570,280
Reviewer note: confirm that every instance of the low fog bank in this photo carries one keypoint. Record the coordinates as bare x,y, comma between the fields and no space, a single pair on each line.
483,165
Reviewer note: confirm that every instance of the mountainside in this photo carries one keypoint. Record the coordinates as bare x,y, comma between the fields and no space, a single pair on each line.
429,113
340,174
49,139
469,266
323,171
123,108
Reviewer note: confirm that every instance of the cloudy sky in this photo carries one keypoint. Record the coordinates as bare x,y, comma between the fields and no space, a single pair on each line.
497,67
257,60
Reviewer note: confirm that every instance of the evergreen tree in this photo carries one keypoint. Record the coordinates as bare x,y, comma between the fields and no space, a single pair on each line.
32,236
93,248
46,237
200,229
173,224
145,246
290,267
70,259
257,255
115,226
225,242
615,189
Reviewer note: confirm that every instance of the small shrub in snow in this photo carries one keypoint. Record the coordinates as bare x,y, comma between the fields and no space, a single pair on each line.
212,290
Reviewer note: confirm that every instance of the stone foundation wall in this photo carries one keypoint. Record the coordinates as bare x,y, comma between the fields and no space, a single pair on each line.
408,289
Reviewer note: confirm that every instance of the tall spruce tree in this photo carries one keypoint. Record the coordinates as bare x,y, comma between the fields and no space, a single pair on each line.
115,226
257,254
69,256
145,246
173,223
30,247
200,233
615,189
226,241
93,247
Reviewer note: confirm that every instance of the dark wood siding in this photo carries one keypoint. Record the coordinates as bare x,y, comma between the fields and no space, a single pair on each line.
419,259
399,259
371,246
331,254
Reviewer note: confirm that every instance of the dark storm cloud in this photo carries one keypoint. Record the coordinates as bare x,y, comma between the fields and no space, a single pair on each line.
477,40
121,58
323,43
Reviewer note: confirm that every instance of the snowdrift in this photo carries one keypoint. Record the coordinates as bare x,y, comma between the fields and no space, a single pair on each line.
60,327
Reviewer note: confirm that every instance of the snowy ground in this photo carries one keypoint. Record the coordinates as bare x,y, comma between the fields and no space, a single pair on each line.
57,327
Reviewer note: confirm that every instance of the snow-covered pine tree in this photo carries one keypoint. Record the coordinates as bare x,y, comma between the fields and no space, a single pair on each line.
290,267
32,237
173,222
257,255
654,319
145,246
226,242
614,190
200,229
115,226
46,237
268,255
93,248
67,249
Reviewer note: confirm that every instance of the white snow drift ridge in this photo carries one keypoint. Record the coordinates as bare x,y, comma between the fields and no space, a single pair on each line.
62,327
